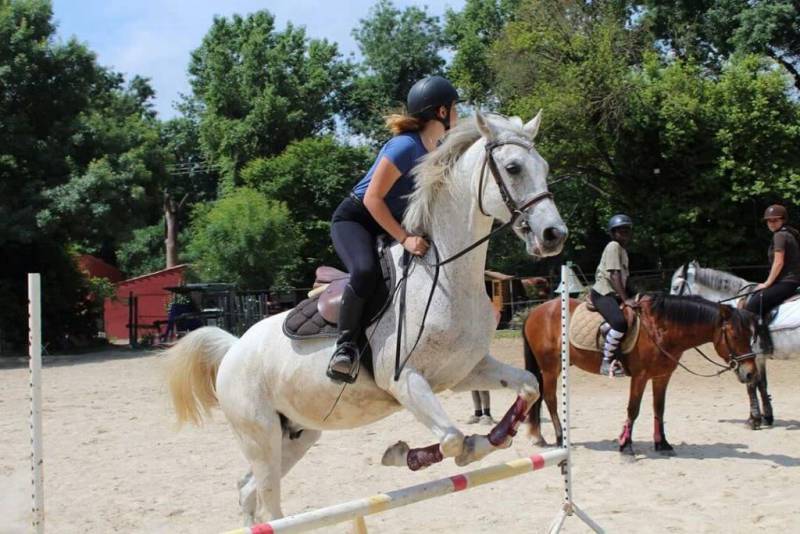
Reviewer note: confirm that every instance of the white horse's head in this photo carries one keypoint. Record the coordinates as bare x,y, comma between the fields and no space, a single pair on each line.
683,279
514,183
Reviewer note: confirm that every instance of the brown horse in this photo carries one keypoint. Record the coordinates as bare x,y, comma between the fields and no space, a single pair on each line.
669,326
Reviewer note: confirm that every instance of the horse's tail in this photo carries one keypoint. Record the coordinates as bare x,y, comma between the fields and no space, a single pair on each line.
192,372
533,366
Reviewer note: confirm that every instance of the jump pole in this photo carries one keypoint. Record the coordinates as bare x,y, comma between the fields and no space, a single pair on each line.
357,509
569,507
35,353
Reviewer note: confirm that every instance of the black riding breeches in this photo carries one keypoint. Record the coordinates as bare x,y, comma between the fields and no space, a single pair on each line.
763,301
608,306
354,231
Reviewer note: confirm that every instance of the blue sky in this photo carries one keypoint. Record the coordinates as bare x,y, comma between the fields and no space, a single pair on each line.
153,38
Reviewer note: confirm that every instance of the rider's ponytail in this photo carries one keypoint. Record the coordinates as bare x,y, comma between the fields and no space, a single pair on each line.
400,122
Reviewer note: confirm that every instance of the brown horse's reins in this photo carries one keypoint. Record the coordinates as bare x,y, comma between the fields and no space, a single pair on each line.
735,358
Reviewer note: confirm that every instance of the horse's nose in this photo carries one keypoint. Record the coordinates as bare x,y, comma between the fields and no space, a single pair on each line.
748,376
554,235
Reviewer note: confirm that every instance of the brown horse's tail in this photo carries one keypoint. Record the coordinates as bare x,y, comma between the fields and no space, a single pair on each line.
532,366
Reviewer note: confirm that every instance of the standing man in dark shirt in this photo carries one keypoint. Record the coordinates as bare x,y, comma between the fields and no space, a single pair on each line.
784,275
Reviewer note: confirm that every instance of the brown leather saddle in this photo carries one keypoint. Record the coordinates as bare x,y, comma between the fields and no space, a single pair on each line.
316,316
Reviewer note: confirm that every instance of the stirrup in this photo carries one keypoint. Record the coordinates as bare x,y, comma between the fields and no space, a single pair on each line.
612,369
355,364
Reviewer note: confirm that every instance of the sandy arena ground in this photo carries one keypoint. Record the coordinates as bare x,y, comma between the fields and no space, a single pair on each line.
113,461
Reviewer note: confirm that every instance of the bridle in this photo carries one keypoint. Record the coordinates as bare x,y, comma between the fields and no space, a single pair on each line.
734,359
684,278
514,208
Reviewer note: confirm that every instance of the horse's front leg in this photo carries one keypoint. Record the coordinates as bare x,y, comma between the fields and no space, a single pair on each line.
492,374
766,399
638,383
415,394
755,412
660,442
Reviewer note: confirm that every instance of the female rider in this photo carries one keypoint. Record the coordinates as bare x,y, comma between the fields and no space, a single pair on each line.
784,274
376,206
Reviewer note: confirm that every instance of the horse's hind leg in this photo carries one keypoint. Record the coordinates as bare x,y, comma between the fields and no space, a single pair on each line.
293,449
549,389
260,492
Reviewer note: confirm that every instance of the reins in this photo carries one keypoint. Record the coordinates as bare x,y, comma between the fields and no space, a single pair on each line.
735,359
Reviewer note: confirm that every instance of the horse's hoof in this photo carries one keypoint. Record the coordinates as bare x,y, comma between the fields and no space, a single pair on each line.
768,420
664,449
540,442
754,422
626,449
396,455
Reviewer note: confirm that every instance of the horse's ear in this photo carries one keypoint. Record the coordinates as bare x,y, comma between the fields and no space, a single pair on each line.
725,312
485,127
532,128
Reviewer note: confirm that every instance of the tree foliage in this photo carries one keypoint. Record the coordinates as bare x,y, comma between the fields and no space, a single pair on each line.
244,238
312,176
399,48
258,89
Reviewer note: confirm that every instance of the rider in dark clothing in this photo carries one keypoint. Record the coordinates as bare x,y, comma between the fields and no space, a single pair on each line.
610,289
377,205
784,274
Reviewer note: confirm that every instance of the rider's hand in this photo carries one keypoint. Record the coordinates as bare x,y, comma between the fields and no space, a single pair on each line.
415,245
759,287
631,303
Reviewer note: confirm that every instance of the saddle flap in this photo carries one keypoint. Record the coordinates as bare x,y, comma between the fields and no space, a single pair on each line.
331,299
584,326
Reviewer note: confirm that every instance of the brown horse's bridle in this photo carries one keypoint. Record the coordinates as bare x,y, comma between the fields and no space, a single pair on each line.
734,361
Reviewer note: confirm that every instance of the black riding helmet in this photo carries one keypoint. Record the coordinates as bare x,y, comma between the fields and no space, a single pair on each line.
619,220
427,95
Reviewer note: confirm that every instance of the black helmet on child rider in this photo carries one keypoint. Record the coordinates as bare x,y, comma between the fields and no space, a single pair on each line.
619,220
427,95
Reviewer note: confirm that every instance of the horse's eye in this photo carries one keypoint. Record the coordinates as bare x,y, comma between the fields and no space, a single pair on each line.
513,168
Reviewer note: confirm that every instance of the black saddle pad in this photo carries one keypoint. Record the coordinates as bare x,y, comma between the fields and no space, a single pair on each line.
305,321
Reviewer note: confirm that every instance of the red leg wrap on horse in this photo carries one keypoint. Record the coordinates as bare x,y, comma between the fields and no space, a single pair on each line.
509,423
419,458
625,436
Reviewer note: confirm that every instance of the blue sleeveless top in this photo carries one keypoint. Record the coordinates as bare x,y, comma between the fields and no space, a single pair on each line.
404,151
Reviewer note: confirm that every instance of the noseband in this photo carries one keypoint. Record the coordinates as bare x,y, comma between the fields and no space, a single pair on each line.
514,208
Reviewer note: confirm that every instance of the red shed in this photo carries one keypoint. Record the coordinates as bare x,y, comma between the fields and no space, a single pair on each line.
152,302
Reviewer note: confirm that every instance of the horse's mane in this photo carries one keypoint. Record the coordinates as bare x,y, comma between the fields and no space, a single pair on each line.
718,280
435,172
692,310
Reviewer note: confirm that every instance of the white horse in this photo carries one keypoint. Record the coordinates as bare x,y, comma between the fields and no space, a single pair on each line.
712,284
273,390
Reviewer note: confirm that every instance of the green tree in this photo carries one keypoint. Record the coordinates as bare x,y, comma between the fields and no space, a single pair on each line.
244,238
471,33
312,176
711,31
398,48
258,89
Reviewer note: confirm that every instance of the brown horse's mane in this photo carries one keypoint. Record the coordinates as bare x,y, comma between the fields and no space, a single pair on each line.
693,310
